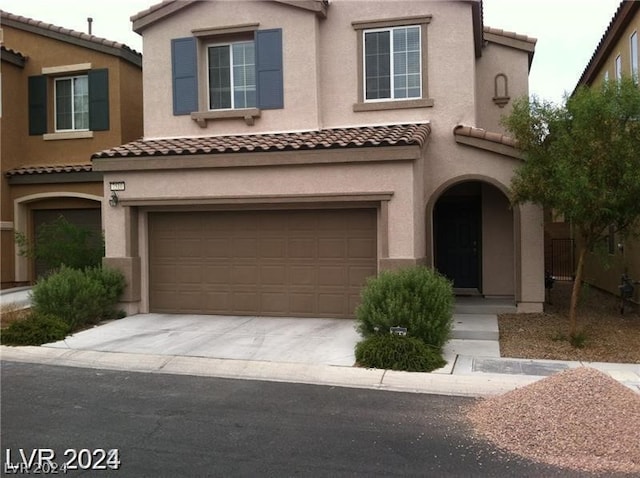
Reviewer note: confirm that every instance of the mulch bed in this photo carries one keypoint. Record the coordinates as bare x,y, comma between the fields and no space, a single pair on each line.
609,336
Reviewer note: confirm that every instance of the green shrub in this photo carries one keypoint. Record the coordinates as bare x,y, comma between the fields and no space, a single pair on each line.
79,297
395,352
63,243
36,329
417,298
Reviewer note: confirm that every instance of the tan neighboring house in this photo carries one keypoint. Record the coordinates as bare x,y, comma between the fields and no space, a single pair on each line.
294,148
65,95
616,56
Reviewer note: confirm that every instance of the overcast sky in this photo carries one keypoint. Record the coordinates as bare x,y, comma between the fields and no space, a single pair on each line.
567,31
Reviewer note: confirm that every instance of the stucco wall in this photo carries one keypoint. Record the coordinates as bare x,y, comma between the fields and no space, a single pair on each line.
499,59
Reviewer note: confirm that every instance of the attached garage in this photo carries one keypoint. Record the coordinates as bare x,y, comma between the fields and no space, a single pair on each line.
295,263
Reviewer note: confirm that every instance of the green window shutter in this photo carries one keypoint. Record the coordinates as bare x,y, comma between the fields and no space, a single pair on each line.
99,100
37,105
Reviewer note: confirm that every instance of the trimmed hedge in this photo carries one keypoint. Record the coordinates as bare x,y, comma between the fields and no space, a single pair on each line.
395,352
417,298
79,297
36,329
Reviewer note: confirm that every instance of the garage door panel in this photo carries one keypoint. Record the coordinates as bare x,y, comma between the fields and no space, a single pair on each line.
307,263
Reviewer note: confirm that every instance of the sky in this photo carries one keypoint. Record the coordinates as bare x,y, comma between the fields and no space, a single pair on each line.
568,31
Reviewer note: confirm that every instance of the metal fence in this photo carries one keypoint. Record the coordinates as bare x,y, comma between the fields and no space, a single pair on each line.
563,265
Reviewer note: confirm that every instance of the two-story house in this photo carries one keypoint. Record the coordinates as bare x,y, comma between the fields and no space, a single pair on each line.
615,56
65,95
294,148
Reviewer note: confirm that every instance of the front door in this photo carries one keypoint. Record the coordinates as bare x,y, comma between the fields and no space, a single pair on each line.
457,240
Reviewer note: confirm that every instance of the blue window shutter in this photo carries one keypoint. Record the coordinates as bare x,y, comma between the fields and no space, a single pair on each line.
37,105
269,69
184,74
99,100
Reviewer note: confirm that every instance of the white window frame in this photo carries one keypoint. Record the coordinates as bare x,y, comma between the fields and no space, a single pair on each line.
633,45
55,104
618,67
230,45
391,66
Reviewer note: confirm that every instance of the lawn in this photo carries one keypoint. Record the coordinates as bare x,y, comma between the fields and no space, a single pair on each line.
609,336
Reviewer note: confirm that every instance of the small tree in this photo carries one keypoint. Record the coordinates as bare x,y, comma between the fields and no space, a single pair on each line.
63,243
582,159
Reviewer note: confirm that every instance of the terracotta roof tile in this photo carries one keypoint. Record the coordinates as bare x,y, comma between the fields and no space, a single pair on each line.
508,34
12,51
357,137
480,133
69,168
4,15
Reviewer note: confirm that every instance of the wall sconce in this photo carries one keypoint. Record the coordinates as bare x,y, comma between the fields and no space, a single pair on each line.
115,186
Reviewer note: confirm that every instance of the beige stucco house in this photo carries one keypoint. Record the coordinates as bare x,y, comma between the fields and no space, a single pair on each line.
64,94
294,148
616,56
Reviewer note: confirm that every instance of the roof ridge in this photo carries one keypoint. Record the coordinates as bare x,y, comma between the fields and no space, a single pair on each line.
5,15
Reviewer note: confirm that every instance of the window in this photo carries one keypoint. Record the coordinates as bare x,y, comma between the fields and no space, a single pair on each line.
634,54
606,75
227,72
232,76
72,103
618,67
392,63
80,102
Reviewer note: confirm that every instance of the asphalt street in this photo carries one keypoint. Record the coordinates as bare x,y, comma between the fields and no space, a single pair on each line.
170,425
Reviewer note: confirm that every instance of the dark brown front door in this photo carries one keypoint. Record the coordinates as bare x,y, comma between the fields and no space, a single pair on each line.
457,240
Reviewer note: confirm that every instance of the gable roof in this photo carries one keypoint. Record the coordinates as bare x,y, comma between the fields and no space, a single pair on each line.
161,10
334,138
511,39
625,13
67,35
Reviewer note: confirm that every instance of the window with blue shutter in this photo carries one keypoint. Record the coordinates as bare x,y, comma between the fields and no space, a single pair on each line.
37,104
269,76
184,70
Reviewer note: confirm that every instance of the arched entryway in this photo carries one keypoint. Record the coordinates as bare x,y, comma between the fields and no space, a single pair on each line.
473,238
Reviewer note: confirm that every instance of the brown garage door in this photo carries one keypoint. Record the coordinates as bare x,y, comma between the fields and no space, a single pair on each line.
300,263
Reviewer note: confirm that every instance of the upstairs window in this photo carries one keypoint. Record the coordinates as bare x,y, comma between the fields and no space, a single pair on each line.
232,76
72,103
392,63
618,67
633,47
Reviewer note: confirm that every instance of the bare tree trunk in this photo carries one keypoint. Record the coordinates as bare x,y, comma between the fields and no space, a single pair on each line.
577,283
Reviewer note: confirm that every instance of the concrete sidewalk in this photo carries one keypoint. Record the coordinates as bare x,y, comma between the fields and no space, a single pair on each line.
314,351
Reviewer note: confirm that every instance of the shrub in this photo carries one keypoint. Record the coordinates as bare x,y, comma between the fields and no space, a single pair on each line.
63,243
395,352
417,298
79,297
36,329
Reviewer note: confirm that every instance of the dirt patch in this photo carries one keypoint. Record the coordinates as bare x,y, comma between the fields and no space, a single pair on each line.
10,313
609,336
580,419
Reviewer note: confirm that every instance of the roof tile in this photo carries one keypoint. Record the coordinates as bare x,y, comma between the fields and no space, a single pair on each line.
354,137
68,168
472,132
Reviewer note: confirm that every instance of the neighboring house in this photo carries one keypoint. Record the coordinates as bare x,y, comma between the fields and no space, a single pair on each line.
615,56
65,94
294,148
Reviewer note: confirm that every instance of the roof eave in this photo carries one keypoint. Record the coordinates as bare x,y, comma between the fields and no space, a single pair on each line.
623,16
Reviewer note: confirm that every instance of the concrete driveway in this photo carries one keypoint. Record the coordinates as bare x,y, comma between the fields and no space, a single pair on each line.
295,340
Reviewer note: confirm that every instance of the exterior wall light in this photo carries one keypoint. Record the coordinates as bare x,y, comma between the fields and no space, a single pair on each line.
113,200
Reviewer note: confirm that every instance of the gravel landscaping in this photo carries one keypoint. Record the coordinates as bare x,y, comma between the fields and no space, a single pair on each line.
609,336
580,419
